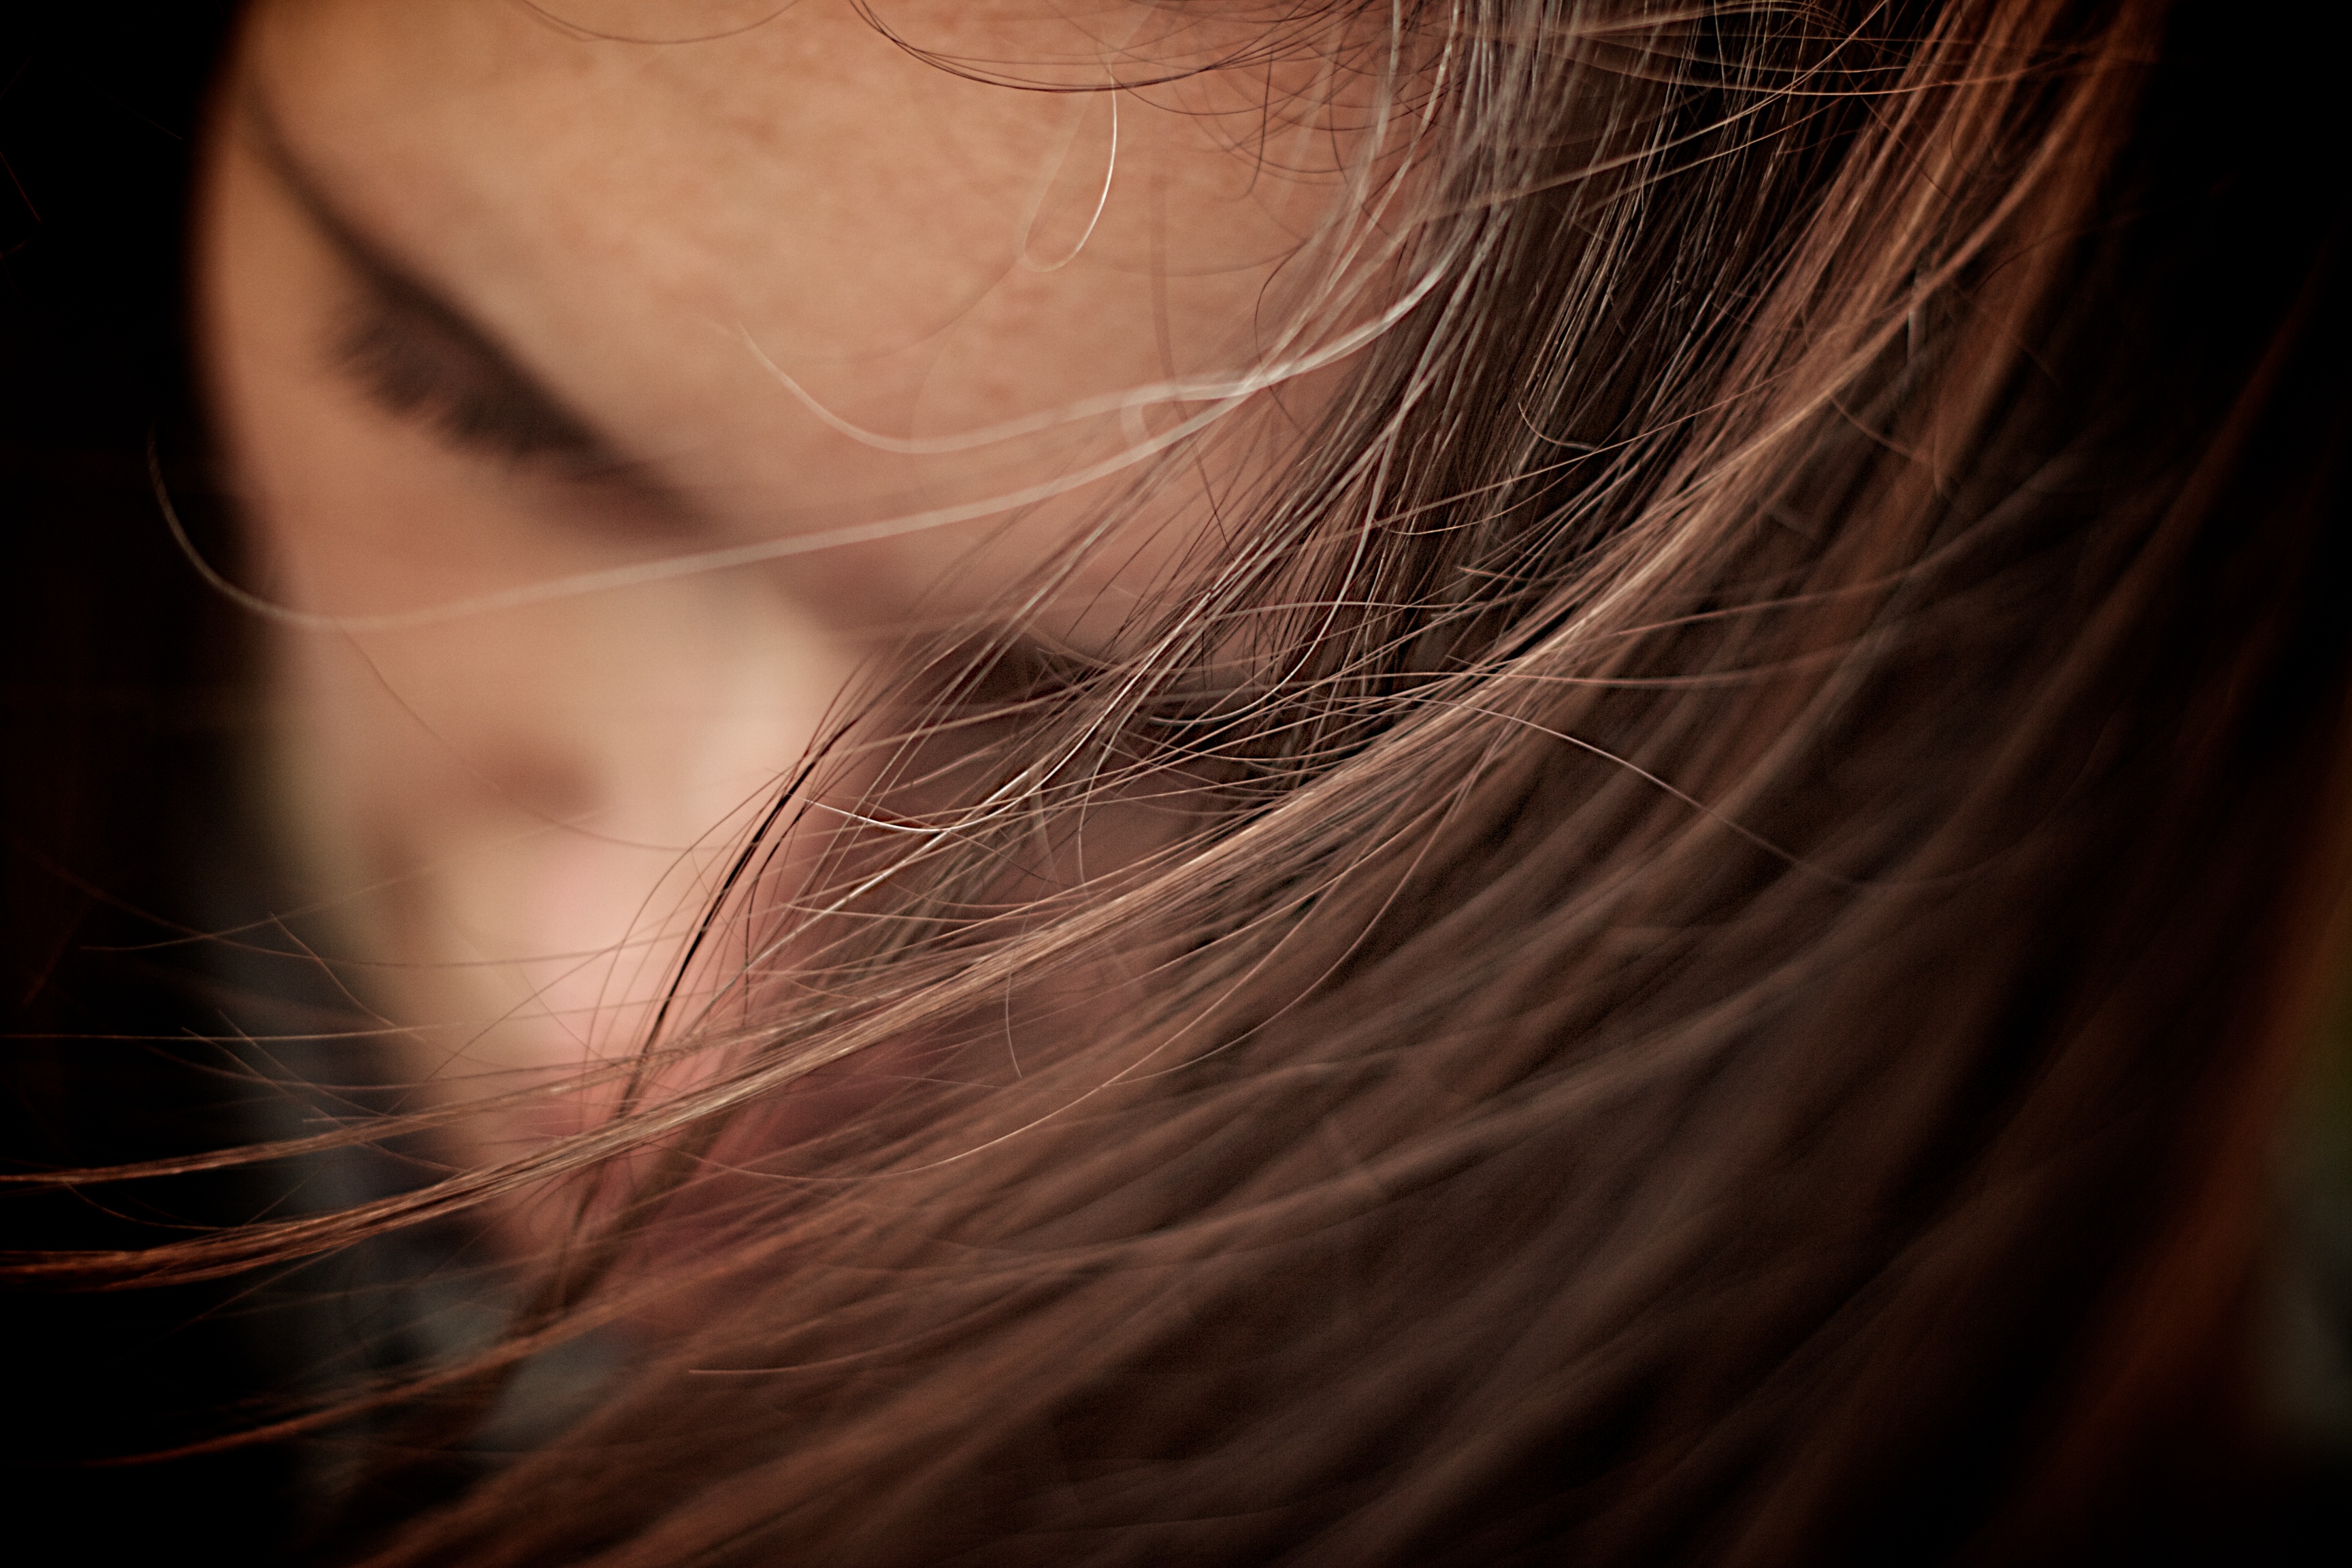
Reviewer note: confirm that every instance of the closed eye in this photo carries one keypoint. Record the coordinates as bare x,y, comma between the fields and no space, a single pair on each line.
416,359
417,356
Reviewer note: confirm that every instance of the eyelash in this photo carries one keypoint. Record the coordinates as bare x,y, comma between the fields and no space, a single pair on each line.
467,409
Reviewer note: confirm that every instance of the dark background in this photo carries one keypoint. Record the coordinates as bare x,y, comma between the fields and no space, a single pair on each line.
127,699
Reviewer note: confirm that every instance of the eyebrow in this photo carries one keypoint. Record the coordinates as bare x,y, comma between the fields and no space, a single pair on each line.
419,355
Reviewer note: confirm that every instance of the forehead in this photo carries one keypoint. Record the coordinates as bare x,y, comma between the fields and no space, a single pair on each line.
628,212
810,149
490,142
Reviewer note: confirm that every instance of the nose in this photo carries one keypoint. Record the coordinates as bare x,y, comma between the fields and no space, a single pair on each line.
523,815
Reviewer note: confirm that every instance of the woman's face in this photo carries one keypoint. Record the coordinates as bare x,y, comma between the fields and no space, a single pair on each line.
494,301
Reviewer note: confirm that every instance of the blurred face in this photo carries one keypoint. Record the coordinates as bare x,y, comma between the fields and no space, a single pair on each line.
502,308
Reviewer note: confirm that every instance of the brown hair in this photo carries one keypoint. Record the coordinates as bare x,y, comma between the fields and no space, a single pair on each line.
1736,854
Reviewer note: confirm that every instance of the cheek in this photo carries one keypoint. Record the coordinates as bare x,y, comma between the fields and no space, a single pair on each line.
521,808
515,823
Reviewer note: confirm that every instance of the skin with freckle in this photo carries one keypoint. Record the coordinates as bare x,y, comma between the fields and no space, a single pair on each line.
514,812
